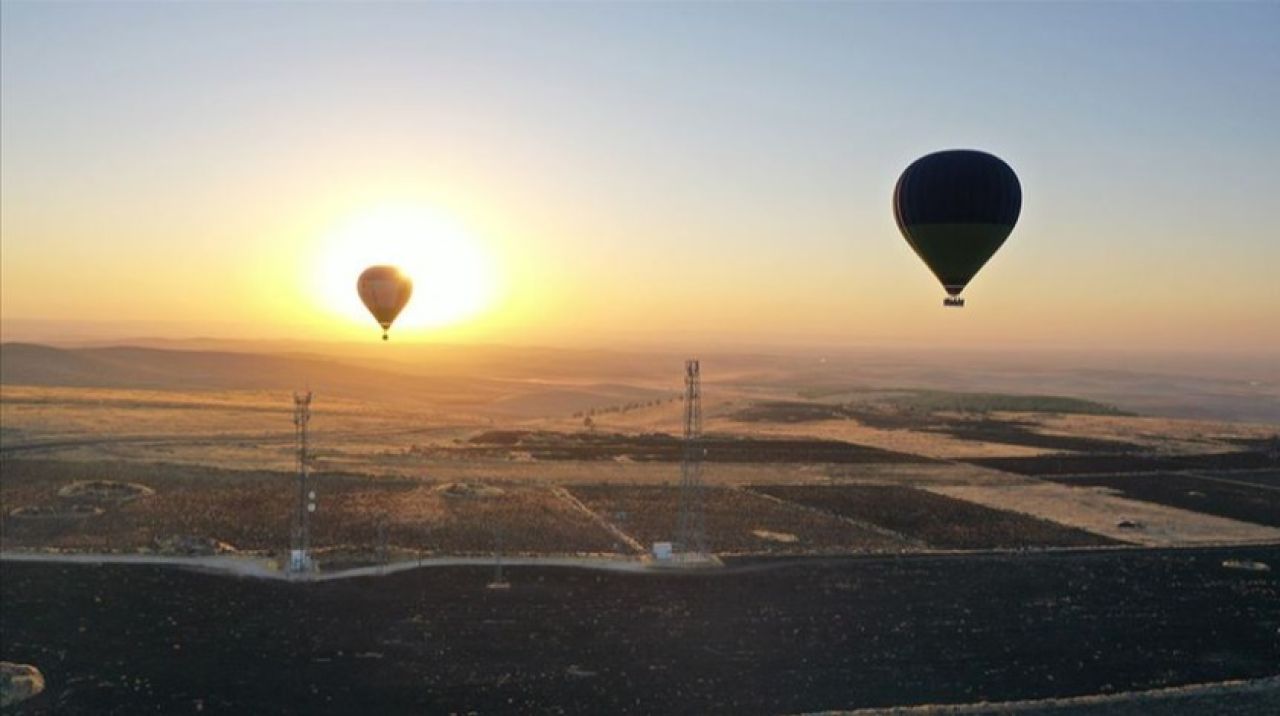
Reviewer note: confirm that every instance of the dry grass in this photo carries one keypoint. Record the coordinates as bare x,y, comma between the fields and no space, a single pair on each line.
1097,510
1167,435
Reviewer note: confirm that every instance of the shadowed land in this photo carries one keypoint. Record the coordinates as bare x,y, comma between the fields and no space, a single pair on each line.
760,637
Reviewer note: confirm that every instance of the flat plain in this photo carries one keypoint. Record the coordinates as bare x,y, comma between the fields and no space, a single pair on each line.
870,535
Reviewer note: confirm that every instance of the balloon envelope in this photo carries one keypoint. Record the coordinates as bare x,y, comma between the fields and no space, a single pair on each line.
956,208
385,291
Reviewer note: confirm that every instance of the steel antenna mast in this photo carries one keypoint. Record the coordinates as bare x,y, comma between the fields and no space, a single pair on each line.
300,534
691,529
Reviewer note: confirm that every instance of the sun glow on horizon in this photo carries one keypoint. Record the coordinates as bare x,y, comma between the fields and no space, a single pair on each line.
454,279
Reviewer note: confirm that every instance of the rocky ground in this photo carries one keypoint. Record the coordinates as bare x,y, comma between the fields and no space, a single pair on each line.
778,635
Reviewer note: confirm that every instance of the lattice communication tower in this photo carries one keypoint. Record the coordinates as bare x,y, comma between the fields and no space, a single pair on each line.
691,528
300,532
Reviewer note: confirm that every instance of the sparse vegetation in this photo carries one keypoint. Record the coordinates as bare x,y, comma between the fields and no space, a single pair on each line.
619,408
250,511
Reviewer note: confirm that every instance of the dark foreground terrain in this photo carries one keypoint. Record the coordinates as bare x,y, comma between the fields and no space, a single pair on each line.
763,636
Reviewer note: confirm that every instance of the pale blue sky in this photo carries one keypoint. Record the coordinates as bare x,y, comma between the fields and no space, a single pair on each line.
759,139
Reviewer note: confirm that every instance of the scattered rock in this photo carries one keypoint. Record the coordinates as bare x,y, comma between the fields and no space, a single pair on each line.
19,682
1247,565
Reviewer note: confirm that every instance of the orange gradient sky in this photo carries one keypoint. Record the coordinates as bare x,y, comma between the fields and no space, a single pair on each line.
582,174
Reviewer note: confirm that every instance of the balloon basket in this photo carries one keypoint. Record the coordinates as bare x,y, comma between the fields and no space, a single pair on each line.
953,301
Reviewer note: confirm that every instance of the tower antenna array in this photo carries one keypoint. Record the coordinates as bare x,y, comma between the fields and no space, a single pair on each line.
691,532
300,534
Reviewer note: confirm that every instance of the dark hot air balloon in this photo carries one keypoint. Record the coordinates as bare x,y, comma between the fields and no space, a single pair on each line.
385,291
956,208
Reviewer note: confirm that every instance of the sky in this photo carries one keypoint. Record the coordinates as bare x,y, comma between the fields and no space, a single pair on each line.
595,173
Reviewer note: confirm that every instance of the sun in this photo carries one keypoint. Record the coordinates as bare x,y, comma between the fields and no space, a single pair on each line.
453,277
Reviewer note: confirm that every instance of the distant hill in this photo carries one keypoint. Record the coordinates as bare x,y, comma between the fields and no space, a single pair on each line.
155,369
139,368
433,359
538,382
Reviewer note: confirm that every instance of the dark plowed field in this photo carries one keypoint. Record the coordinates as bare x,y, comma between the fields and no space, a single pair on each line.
1107,464
1074,464
1011,433
660,447
1006,432
1265,478
1226,461
940,522
1239,502
761,638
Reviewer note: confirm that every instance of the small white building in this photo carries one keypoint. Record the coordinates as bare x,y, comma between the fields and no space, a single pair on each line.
662,550
300,561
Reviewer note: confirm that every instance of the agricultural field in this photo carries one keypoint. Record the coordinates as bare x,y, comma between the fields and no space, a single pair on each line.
1163,434
1102,511
737,521
982,426
229,429
1256,504
661,447
249,511
582,507
919,401
1010,440
942,470
938,521
1264,478
869,542
1014,432
1074,464
933,444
